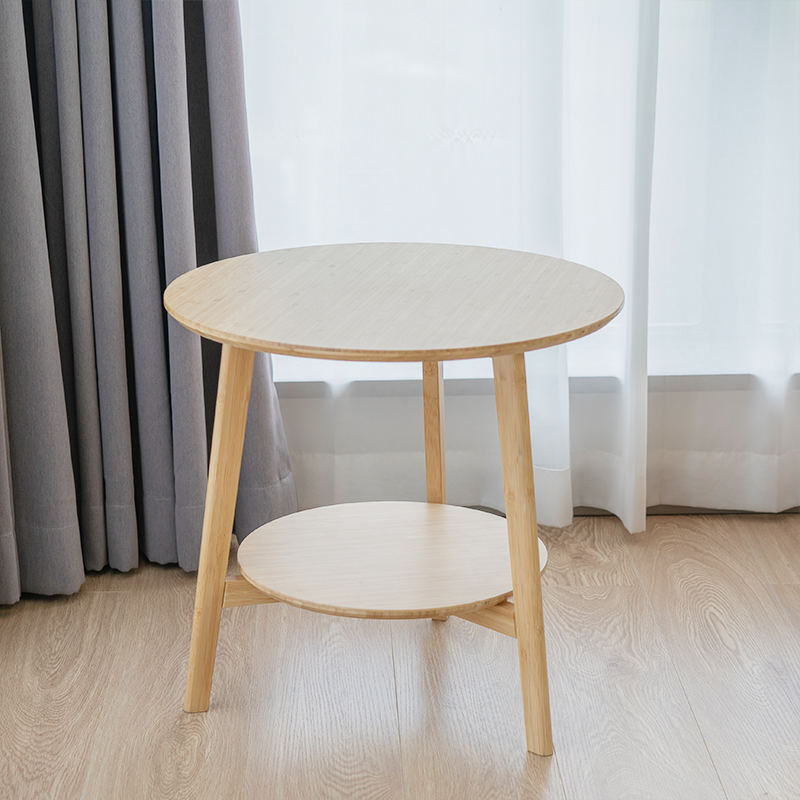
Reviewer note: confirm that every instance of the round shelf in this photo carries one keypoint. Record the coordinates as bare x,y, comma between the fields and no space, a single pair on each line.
385,560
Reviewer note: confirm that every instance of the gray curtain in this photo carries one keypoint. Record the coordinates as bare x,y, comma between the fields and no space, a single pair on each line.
124,162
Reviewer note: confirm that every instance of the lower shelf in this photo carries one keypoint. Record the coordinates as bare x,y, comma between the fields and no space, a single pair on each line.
385,560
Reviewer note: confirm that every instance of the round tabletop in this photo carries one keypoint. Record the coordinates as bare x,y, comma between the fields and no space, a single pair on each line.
393,302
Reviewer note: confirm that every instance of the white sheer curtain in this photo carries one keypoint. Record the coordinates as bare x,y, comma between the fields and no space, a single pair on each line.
656,142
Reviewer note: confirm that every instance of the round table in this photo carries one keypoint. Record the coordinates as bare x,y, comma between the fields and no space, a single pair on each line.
391,560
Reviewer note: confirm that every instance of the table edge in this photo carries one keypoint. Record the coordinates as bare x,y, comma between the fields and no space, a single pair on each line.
347,354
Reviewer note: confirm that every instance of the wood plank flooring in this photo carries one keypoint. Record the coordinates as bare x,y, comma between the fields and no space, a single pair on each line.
674,663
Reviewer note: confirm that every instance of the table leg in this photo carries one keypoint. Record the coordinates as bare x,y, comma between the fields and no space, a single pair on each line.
433,404
433,401
230,417
515,448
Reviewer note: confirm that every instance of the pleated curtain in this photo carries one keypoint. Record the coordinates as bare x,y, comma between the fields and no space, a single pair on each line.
655,140
124,162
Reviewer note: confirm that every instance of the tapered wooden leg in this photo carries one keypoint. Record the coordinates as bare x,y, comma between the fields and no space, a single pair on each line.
515,448
233,396
433,403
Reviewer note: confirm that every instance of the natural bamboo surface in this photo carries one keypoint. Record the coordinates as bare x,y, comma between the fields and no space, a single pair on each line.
673,662
240,592
393,302
499,618
383,560
513,422
233,396
435,449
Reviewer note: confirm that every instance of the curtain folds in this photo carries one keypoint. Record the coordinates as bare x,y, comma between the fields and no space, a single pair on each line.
655,140
525,125
123,163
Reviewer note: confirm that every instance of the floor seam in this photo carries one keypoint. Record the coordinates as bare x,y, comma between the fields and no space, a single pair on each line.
397,713
560,776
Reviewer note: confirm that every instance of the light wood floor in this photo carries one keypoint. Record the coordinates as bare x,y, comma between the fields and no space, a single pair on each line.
674,661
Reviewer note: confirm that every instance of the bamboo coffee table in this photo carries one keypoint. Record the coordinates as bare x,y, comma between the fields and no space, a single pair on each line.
392,560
